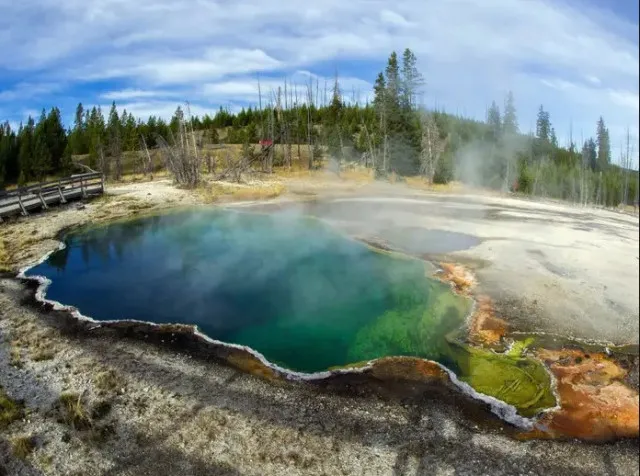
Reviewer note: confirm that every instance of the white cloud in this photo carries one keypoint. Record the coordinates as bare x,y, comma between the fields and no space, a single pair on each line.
162,109
130,93
212,63
593,79
470,52
249,89
27,90
393,18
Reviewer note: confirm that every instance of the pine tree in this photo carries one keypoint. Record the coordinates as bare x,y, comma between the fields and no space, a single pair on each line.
604,145
392,94
590,154
494,121
55,137
66,162
115,140
25,156
79,127
553,138
379,92
510,119
411,80
78,138
41,165
129,127
4,140
96,138
176,122
401,135
9,150
332,123
543,125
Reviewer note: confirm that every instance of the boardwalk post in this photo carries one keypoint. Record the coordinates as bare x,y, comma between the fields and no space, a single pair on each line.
44,204
62,199
24,210
84,193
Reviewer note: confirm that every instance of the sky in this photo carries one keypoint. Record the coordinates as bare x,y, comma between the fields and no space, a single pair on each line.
579,58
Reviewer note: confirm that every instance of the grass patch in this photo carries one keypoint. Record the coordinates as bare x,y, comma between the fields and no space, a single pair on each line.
358,174
259,192
304,193
108,381
4,257
40,354
45,462
38,344
139,206
213,192
422,184
73,411
10,410
15,357
22,446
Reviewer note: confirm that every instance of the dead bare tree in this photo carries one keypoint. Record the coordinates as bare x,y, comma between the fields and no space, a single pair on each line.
432,147
372,154
285,132
181,157
233,168
637,198
309,123
539,165
261,131
105,162
272,126
626,168
297,108
148,166
583,167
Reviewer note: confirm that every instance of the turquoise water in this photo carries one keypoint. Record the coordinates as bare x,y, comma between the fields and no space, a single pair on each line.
293,289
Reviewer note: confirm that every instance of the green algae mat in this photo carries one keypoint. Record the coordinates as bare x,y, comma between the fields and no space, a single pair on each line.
291,288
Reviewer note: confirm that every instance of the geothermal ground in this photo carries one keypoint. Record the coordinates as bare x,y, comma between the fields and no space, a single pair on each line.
92,402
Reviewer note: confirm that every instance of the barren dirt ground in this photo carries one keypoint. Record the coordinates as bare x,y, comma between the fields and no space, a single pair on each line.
72,404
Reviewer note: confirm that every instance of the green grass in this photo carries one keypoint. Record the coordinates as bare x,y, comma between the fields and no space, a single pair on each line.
108,381
10,410
73,411
22,446
4,257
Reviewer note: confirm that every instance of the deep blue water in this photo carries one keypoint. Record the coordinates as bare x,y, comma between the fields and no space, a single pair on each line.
304,296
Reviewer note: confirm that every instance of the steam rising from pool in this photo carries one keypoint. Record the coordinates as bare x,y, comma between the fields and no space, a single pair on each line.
303,296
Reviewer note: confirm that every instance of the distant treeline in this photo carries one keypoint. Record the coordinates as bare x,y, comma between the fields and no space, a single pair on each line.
392,135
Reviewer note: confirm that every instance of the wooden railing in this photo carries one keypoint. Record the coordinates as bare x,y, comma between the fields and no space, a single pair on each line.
41,195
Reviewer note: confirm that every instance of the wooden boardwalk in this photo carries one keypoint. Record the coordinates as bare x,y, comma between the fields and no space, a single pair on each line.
40,196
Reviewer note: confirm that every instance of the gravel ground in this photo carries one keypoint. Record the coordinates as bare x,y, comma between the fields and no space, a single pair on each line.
138,408
169,413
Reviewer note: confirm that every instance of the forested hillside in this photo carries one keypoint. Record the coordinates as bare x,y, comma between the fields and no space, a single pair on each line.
391,134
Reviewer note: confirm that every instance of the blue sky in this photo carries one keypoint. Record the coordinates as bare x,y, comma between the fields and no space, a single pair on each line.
579,58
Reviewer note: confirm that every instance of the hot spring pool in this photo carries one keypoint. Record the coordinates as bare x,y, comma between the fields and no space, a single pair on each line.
305,297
